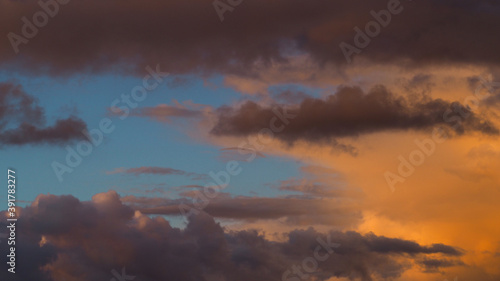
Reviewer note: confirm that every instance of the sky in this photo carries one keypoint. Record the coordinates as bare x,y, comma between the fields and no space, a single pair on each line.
253,140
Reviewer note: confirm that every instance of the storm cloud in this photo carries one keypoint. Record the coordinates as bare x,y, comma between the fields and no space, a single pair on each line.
67,239
187,36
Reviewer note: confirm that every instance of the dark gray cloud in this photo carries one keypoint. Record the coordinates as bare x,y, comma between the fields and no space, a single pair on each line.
434,265
22,120
349,113
62,238
187,36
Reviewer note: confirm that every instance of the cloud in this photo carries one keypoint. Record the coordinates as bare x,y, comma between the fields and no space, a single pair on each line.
433,265
96,36
309,187
349,113
22,121
67,239
62,132
290,96
482,162
156,171
165,112
294,210
317,182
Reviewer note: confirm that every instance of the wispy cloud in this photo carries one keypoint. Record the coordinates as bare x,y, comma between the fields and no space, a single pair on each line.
156,171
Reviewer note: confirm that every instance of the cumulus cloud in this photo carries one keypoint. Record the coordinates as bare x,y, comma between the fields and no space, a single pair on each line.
22,120
350,112
67,239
